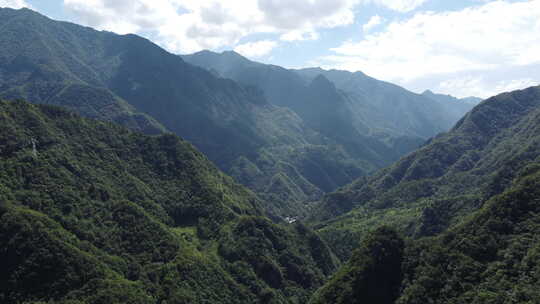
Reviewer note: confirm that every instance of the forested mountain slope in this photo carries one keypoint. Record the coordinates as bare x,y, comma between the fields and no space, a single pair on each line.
56,63
437,186
492,257
95,213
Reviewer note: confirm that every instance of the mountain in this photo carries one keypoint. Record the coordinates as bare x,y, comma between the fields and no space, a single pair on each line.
131,81
91,212
375,121
390,109
493,256
374,107
451,99
280,86
439,185
456,106
288,155
320,105
184,99
52,62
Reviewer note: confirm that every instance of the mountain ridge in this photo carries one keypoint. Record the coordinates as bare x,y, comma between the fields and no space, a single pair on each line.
285,87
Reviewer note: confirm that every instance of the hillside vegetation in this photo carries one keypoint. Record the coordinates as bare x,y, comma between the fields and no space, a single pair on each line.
492,257
95,213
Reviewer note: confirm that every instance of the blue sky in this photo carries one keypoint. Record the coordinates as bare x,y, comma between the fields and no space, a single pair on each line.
458,47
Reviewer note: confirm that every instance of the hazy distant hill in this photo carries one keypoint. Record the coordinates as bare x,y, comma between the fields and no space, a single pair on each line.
451,99
387,108
377,107
456,106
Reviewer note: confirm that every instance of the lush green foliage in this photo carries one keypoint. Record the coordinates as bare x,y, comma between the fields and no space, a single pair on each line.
91,212
492,257
372,275
96,213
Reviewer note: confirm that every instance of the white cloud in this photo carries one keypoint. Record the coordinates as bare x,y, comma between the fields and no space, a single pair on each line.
191,25
479,86
484,38
16,4
373,22
256,49
399,5
300,35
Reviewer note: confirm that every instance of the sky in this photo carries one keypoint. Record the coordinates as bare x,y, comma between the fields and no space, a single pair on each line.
458,47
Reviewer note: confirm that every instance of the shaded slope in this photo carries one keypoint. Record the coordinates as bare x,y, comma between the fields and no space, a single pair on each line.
101,214
372,275
432,188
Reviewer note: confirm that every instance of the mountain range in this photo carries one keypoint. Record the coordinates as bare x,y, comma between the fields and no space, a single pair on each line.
290,140
114,185
374,109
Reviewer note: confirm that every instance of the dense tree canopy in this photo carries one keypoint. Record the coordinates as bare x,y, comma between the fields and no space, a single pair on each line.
101,214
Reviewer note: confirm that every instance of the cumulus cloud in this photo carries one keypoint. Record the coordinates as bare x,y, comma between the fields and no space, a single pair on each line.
191,25
484,38
373,22
256,49
16,4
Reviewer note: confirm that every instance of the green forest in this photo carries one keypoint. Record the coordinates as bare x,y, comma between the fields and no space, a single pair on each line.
101,214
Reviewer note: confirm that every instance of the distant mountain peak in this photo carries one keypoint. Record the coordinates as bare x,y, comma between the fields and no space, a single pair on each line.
205,52
315,69
232,53
449,98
